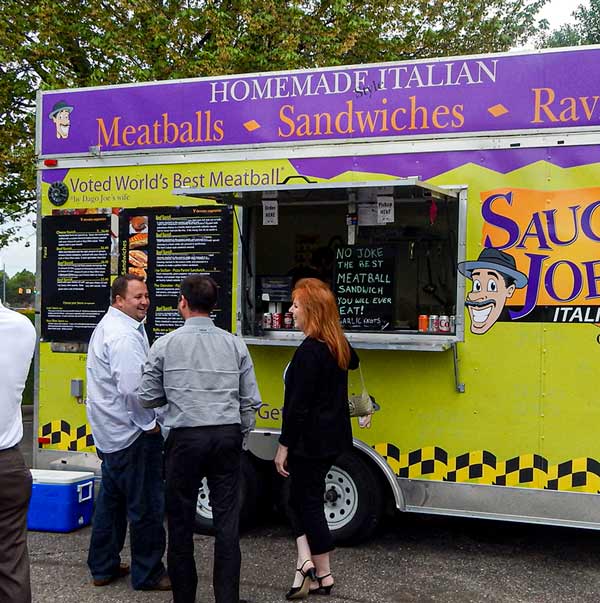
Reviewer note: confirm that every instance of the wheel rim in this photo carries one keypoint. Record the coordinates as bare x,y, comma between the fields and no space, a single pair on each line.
341,498
203,507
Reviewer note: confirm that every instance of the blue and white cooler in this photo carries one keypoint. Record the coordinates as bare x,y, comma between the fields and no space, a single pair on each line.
61,501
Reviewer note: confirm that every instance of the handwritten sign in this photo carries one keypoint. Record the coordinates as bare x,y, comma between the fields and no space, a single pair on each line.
385,210
364,286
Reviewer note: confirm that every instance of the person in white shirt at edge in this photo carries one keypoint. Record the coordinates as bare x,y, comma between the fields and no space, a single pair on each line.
17,344
129,443
204,379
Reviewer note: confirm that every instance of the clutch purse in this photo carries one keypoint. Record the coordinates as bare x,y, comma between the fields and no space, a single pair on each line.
360,404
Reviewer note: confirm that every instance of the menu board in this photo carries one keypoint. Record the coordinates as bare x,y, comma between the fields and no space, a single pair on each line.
364,286
75,275
164,245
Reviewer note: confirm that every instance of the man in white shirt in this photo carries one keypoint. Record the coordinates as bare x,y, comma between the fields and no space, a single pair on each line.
17,344
129,443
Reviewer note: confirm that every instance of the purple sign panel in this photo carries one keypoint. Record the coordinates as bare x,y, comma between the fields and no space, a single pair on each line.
393,100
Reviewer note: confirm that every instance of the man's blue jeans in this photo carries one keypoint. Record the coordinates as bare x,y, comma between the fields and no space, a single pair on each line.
132,491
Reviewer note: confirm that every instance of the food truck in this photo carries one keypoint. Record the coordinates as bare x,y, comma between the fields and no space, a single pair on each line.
452,204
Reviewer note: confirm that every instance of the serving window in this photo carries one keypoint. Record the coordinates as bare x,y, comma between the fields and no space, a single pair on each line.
389,251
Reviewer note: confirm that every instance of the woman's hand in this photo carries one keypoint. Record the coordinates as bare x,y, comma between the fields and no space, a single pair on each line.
281,460
365,422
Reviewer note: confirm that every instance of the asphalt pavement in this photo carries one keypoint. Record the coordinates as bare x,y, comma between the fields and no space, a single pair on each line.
413,559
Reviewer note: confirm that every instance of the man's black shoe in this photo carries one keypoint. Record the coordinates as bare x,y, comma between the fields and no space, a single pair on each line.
163,584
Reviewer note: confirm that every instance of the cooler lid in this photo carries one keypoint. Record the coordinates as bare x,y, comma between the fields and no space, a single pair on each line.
49,476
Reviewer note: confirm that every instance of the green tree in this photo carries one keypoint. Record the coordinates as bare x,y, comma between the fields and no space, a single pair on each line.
45,44
585,30
20,289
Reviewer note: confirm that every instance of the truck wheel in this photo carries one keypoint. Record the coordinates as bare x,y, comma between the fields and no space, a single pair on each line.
248,500
204,517
353,499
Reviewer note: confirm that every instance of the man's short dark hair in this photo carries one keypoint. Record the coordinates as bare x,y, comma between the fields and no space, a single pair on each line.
120,284
200,292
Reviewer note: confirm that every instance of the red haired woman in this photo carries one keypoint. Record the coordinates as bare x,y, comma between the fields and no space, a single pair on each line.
316,428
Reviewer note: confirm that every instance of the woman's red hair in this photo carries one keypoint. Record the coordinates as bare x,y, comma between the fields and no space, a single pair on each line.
322,318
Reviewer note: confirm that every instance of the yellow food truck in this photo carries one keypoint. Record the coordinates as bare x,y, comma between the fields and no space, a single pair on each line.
453,206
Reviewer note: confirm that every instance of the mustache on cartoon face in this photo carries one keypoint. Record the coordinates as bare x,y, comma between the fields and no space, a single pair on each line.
480,304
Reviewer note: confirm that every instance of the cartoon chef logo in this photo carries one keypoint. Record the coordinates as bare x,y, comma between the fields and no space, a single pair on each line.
495,278
61,116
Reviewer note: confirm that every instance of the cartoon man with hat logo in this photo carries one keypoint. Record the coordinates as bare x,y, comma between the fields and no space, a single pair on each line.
61,116
495,278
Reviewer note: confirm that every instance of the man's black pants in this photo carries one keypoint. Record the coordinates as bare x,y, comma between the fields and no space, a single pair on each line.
193,453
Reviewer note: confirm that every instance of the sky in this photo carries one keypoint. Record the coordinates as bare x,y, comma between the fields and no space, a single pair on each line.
558,12
19,256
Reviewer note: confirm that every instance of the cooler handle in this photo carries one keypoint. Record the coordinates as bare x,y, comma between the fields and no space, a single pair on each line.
83,497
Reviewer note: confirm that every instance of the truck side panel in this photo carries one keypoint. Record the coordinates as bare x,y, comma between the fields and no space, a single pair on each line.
523,420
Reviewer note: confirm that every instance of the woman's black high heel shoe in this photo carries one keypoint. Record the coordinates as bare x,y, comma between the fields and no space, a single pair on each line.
322,590
301,592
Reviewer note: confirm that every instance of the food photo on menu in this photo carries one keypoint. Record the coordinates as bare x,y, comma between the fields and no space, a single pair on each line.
138,262
138,241
138,224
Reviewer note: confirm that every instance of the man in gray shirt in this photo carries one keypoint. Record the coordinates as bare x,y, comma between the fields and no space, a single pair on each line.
204,378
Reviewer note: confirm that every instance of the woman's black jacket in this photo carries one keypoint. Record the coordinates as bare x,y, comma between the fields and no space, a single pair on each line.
316,419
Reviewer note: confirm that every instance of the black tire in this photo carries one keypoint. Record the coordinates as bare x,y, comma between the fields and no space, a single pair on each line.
354,517
248,500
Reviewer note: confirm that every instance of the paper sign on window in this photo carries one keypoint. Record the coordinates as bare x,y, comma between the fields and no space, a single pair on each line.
385,210
270,213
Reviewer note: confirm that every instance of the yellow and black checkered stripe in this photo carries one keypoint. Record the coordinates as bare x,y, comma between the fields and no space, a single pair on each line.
64,437
580,475
482,467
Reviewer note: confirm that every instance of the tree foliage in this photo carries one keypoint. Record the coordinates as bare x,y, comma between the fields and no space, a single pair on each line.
46,44
585,30
19,289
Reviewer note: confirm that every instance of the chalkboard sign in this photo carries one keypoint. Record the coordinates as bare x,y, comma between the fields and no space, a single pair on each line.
364,286
163,245
75,275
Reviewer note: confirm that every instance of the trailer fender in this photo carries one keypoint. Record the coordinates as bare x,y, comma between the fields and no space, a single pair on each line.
390,477
263,444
